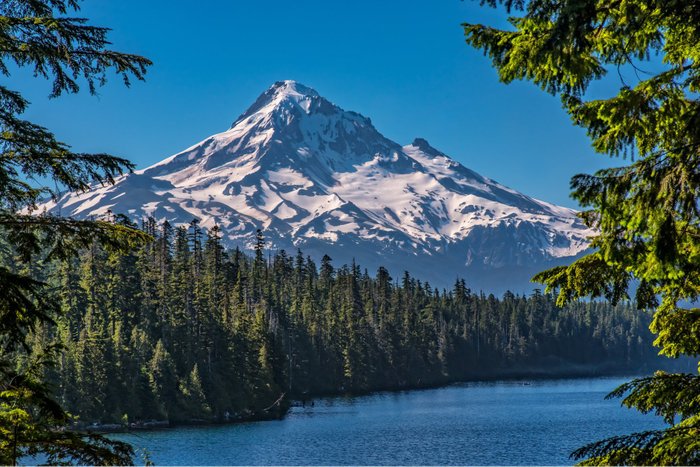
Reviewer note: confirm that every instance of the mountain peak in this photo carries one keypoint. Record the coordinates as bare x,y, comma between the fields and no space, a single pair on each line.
421,143
280,93
292,88
424,145
316,176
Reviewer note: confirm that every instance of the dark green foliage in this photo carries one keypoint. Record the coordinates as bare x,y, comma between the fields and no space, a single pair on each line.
38,35
646,212
219,335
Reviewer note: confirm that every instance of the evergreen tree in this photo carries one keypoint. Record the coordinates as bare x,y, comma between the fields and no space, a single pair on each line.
40,35
309,332
194,401
163,380
646,212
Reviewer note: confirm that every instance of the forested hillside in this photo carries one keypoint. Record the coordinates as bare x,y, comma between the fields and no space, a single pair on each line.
183,330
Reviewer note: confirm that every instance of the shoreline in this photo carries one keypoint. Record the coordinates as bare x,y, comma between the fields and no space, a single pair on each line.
533,374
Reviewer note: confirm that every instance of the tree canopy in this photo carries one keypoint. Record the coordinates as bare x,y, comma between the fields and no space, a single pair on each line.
183,330
645,211
69,52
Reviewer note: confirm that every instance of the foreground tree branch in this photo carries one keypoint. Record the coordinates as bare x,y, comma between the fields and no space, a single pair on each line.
69,52
646,213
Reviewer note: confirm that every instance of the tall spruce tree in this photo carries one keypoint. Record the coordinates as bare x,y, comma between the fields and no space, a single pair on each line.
645,212
42,36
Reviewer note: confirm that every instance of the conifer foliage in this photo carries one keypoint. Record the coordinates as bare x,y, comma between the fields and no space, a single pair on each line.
40,35
186,331
646,212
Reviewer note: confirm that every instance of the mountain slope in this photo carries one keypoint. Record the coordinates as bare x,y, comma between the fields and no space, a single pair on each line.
314,176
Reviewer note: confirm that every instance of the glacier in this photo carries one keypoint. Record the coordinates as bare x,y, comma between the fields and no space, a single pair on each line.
313,176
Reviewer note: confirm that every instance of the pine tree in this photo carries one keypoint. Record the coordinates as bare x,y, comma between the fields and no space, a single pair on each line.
163,380
40,35
194,401
646,212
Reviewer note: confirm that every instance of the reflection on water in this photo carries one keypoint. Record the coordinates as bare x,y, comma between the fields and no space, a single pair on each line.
503,423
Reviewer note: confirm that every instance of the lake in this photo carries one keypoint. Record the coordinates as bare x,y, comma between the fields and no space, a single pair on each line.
502,423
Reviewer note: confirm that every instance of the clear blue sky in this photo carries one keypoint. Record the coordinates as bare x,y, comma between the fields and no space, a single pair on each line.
403,64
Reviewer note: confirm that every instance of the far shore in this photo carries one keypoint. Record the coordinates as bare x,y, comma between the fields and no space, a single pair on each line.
282,406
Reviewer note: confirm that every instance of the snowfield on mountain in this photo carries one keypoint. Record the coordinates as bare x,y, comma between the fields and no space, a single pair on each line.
314,176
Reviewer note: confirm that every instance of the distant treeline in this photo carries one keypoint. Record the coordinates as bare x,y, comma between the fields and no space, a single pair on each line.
184,330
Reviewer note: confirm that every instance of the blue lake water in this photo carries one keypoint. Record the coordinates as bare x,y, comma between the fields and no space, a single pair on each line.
501,423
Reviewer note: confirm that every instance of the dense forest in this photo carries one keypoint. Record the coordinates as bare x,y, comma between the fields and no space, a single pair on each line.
183,330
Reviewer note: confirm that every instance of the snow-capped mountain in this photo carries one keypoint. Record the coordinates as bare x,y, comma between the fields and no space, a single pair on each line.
314,176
